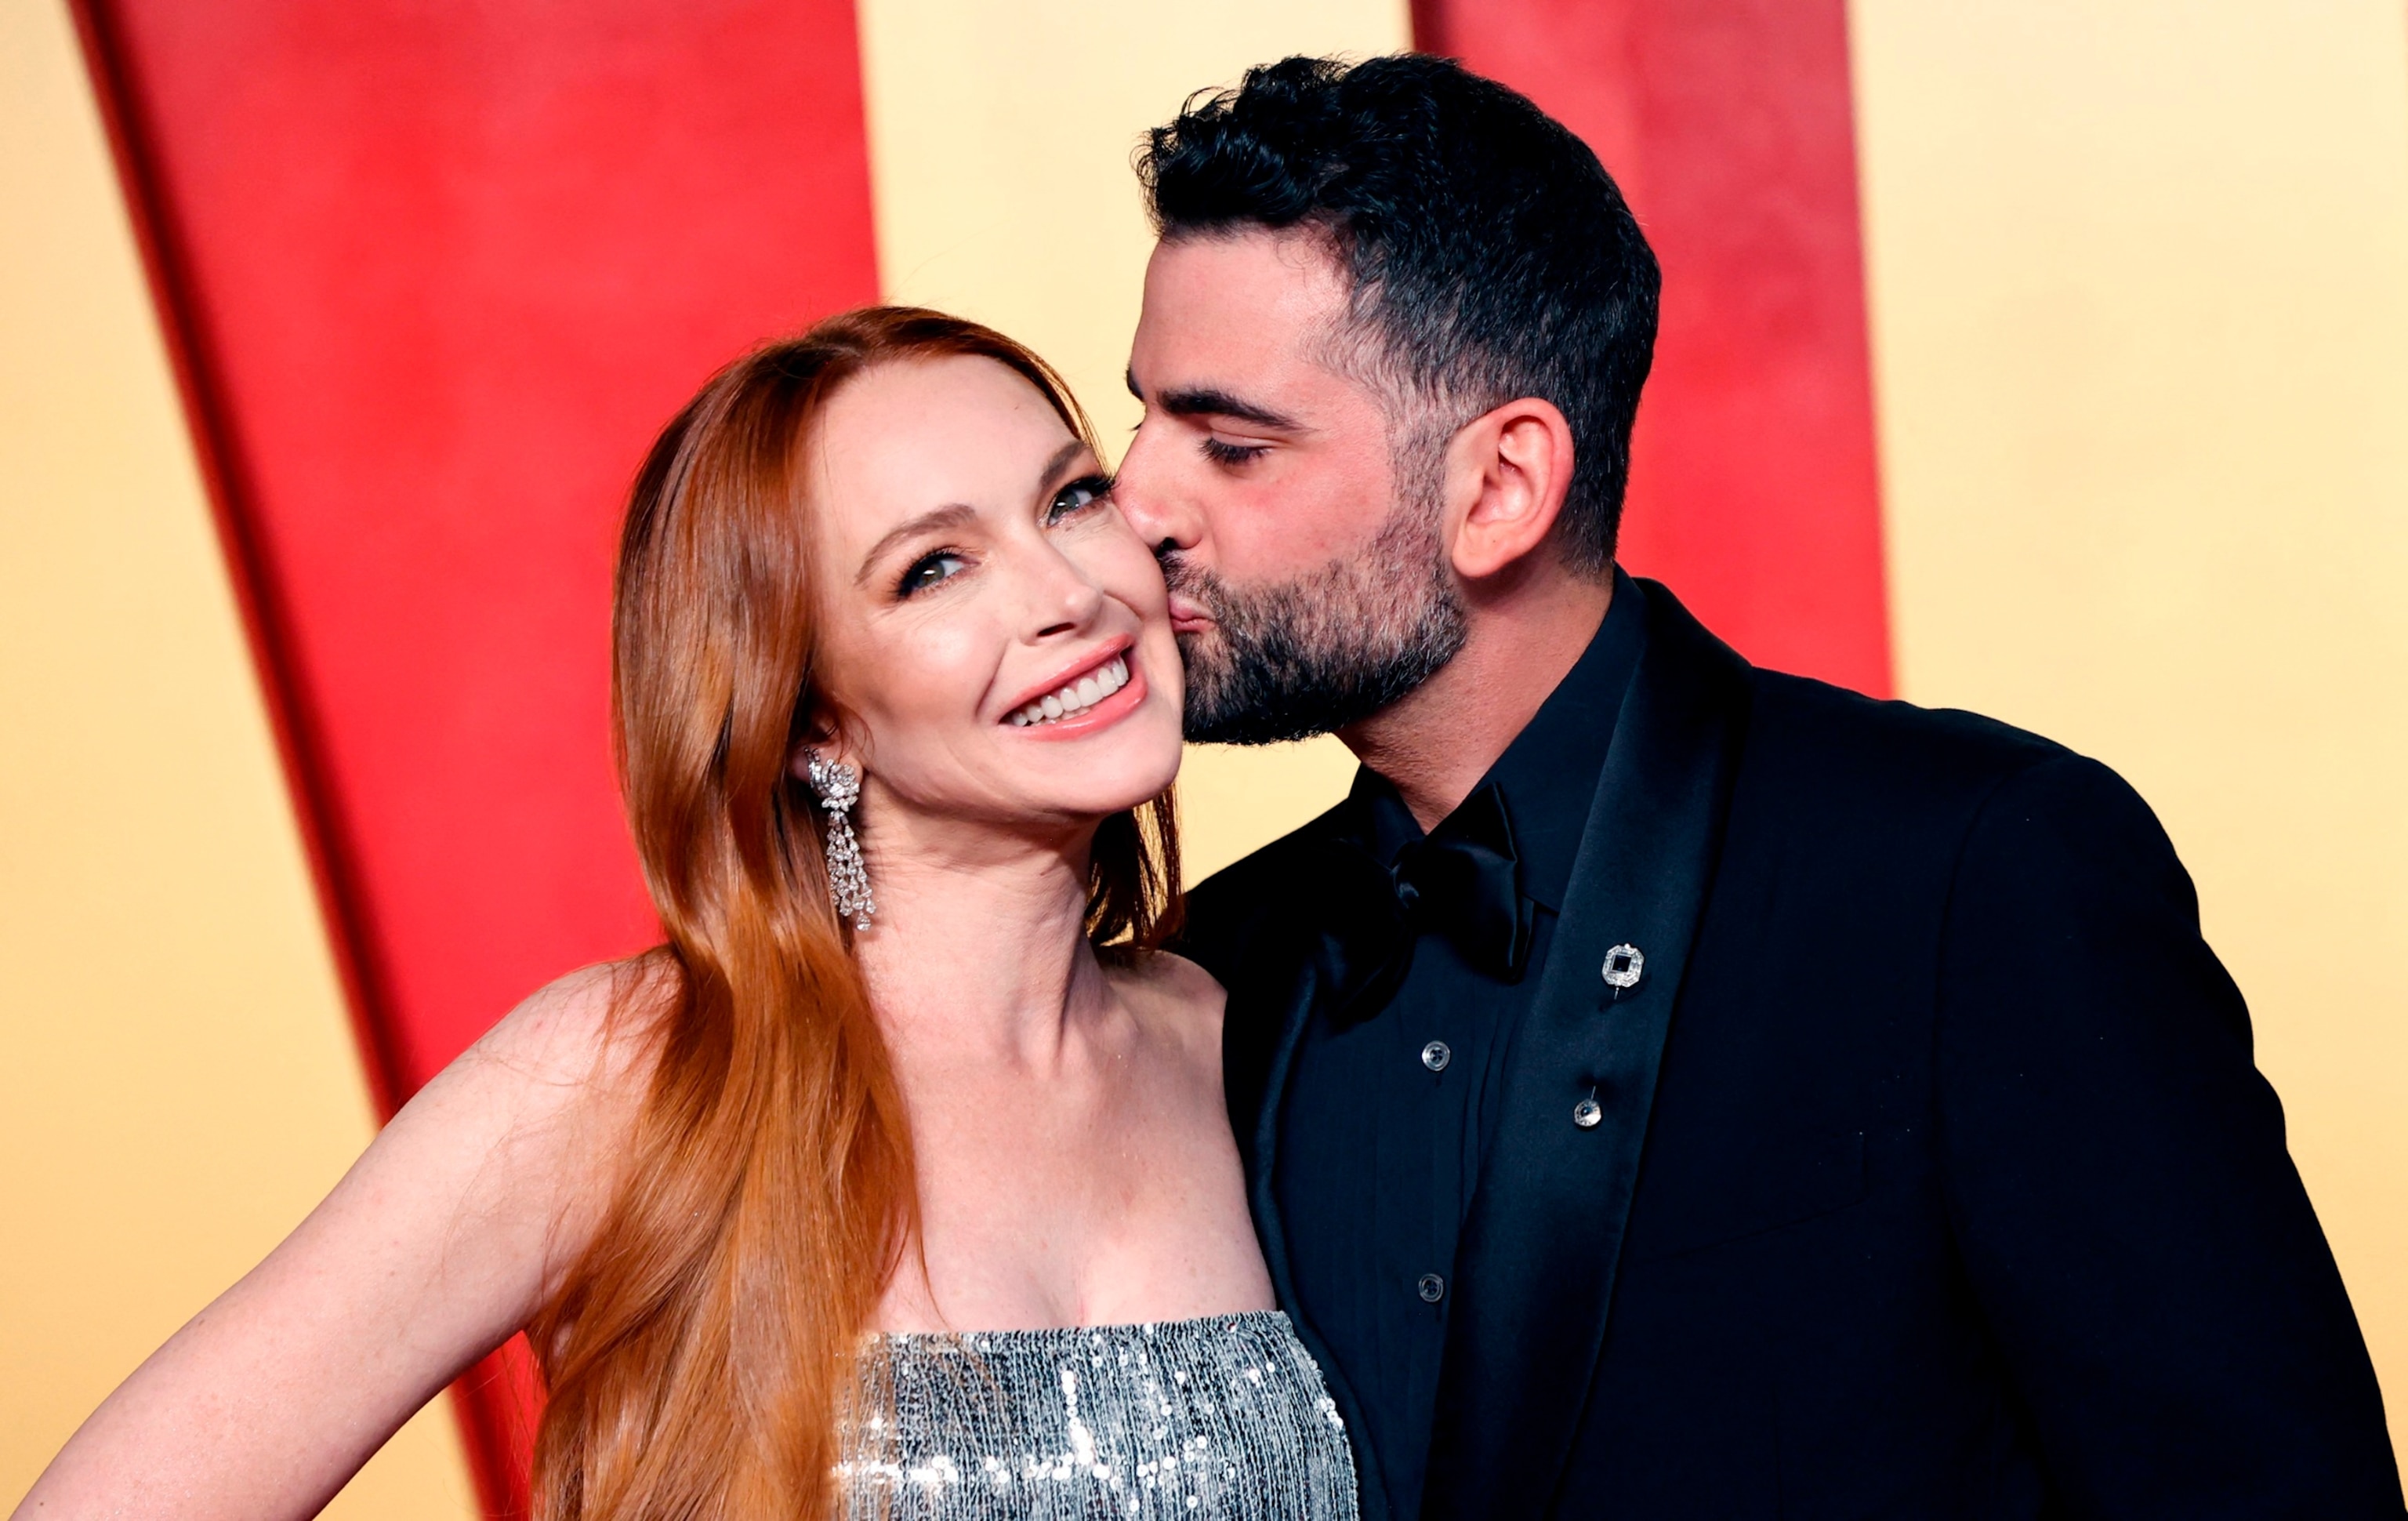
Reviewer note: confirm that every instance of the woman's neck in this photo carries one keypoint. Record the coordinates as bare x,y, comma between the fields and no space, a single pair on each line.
978,949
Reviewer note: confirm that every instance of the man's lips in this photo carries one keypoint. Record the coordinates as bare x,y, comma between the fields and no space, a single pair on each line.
1187,615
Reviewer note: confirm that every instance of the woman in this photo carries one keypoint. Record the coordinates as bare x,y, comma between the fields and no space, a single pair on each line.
897,705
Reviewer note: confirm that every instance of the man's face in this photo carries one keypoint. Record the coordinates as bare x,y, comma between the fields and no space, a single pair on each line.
1309,585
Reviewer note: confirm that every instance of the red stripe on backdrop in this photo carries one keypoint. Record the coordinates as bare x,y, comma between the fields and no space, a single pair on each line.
1730,126
436,275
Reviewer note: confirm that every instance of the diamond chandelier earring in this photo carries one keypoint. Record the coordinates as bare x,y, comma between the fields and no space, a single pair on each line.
839,786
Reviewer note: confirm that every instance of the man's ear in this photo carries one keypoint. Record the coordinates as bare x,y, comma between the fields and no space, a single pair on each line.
1506,473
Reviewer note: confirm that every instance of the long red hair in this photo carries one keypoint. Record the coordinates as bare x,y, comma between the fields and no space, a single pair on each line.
701,1353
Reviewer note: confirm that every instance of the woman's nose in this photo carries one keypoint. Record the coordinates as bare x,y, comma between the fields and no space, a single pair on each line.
1066,599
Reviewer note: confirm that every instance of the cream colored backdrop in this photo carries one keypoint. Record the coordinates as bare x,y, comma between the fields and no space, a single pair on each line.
2140,290
2138,275
1001,139
178,1080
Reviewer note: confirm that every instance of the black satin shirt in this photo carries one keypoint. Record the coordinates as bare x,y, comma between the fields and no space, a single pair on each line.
1404,1096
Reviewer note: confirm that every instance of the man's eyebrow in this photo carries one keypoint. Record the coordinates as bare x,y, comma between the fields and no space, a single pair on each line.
951,516
1211,401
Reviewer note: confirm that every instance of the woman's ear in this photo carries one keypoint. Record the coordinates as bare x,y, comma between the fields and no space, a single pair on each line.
829,734
1506,473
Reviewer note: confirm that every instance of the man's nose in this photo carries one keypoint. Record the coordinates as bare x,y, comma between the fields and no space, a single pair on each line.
1149,498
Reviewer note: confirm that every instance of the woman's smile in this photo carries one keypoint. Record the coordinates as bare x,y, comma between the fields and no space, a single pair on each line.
1097,693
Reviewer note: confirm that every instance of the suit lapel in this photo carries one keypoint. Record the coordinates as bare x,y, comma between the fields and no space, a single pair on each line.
1535,1273
1352,935
1330,940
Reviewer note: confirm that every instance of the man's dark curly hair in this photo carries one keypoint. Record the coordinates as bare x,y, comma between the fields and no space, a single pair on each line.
1490,256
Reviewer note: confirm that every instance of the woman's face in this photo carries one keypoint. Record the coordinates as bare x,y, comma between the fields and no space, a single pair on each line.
998,633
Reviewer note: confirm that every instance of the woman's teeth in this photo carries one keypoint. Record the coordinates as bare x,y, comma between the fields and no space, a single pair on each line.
1081,694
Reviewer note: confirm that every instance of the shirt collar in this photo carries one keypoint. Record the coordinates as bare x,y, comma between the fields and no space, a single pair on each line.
1549,773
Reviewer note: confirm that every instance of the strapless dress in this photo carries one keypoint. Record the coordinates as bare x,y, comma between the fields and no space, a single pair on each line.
1220,1419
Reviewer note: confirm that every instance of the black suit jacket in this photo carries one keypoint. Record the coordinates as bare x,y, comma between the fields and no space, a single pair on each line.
1935,1178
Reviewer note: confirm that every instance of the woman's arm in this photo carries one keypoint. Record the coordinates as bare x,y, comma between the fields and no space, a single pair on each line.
439,1243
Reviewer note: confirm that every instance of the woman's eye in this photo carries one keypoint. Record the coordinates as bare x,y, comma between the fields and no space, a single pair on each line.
928,569
1078,497
1222,452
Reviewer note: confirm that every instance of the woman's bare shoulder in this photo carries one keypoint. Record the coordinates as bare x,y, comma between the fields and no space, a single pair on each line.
551,1092
525,1131
586,1035
1171,989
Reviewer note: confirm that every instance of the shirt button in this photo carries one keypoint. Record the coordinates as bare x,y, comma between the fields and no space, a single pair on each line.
1431,1288
1436,1055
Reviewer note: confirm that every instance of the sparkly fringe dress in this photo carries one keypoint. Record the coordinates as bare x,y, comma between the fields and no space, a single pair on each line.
1219,1419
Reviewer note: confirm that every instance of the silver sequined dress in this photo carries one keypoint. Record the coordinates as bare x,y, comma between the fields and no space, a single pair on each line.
1219,1419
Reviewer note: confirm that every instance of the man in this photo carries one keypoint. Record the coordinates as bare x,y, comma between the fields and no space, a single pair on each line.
1668,1088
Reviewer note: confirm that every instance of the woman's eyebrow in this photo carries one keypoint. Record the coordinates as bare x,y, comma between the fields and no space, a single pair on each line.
932,521
1060,462
955,514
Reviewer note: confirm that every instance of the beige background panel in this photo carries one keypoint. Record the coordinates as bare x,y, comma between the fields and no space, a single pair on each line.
2138,273
178,1083
1000,137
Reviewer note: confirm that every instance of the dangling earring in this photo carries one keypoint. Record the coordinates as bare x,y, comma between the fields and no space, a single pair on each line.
839,787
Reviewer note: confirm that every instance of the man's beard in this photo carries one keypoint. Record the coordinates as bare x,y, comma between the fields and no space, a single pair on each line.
1326,650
